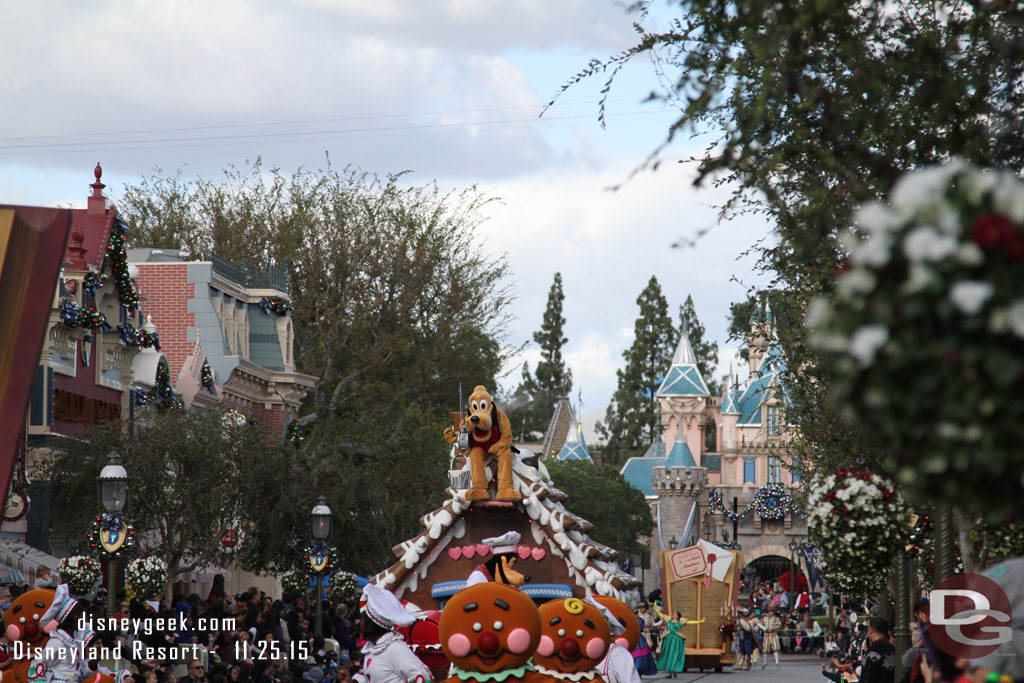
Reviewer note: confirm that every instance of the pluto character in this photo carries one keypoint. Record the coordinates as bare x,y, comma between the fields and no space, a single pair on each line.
574,640
489,632
490,434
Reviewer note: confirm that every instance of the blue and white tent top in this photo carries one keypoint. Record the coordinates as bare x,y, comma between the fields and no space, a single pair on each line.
575,447
683,378
638,472
729,405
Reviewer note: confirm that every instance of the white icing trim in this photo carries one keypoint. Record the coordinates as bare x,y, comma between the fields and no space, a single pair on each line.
563,676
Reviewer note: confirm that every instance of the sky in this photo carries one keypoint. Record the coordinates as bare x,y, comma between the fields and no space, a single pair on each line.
451,90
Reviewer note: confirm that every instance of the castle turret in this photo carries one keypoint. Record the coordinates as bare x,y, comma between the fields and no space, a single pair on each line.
683,395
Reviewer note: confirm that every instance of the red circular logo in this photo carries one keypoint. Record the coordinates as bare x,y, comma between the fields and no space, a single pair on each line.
229,539
969,616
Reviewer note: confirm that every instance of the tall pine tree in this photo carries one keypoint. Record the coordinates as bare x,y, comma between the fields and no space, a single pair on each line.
706,352
633,420
537,394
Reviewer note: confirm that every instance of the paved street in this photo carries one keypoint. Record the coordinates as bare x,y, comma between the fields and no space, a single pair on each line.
795,669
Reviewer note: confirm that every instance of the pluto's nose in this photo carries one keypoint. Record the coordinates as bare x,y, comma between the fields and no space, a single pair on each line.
474,419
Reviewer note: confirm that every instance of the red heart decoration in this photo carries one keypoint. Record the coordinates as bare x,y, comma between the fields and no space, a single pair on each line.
468,551
523,552
455,552
483,550
538,553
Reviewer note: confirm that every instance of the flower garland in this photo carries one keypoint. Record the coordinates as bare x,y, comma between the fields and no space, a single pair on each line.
275,305
73,315
117,257
295,583
926,334
858,522
134,336
343,586
206,377
771,501
79,572
146,576
727,629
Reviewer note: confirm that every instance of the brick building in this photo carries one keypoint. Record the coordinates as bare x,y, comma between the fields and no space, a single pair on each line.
720,454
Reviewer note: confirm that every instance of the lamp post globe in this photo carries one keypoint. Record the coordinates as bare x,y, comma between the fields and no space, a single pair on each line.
320,520
113,485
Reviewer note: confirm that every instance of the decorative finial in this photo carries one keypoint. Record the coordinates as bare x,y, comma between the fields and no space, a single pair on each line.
97,187
98,171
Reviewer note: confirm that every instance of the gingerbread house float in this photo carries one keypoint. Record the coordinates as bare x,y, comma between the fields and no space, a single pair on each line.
555,551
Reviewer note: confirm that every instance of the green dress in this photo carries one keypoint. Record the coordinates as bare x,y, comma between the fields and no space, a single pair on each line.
673,649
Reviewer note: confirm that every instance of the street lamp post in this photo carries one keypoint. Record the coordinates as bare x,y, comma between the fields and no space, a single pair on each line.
320,527
794,545
673,543
113,481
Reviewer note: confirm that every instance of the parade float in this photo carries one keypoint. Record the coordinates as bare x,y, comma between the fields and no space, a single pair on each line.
702,582
495,489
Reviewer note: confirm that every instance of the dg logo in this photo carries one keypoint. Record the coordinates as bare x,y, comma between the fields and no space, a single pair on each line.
969,616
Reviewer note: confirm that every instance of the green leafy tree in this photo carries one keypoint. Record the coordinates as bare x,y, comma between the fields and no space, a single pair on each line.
602,496
395,302
552,379
705,351
633,420
191,477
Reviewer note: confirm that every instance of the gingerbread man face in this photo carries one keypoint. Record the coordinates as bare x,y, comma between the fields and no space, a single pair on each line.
625,615
574,636
22,618
490,627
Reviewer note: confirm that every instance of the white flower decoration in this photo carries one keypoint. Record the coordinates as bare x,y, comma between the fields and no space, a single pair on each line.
928,244
856,281
866,341
1015,317
970,295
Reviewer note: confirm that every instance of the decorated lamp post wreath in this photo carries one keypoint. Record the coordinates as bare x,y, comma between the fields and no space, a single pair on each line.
858,522
319,555
79,572
110,533
926,334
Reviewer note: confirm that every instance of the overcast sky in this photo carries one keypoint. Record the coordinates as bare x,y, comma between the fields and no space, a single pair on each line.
449,89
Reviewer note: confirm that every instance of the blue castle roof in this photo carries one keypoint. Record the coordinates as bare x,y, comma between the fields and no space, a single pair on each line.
683,378
765,383
638,472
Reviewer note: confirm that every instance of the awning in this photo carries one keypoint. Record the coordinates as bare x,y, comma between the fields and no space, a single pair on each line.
26,559
10,575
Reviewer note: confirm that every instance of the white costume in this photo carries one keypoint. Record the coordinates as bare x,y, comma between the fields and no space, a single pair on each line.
389,659
63,659
618,666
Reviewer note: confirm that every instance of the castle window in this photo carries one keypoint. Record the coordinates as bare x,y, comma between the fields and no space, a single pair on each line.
774,420
794,474
774,469
749,469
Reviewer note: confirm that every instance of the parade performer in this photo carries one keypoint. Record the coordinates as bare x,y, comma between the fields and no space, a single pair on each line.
499,567
618,665
574,639
62,660
386,657
489,632
770,625
22,623
673,647
491,434
643,653
746,641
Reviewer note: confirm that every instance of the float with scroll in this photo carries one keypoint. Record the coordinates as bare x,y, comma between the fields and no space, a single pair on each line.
702,582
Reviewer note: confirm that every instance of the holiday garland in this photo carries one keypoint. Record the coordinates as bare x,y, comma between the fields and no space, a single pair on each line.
134,336
73,315
275,305
343,586
79,572
162,394
117,258
146,576
771,501
926,334
858,522
92,282
294,433
206,377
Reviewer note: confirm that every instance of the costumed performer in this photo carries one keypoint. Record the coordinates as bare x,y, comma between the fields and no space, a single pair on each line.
22,623
770,625
746,641
386,657
500,566
643,653
673,647
574,639
618,665
489,632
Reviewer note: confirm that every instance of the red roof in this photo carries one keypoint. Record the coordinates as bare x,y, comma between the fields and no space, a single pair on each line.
90,230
